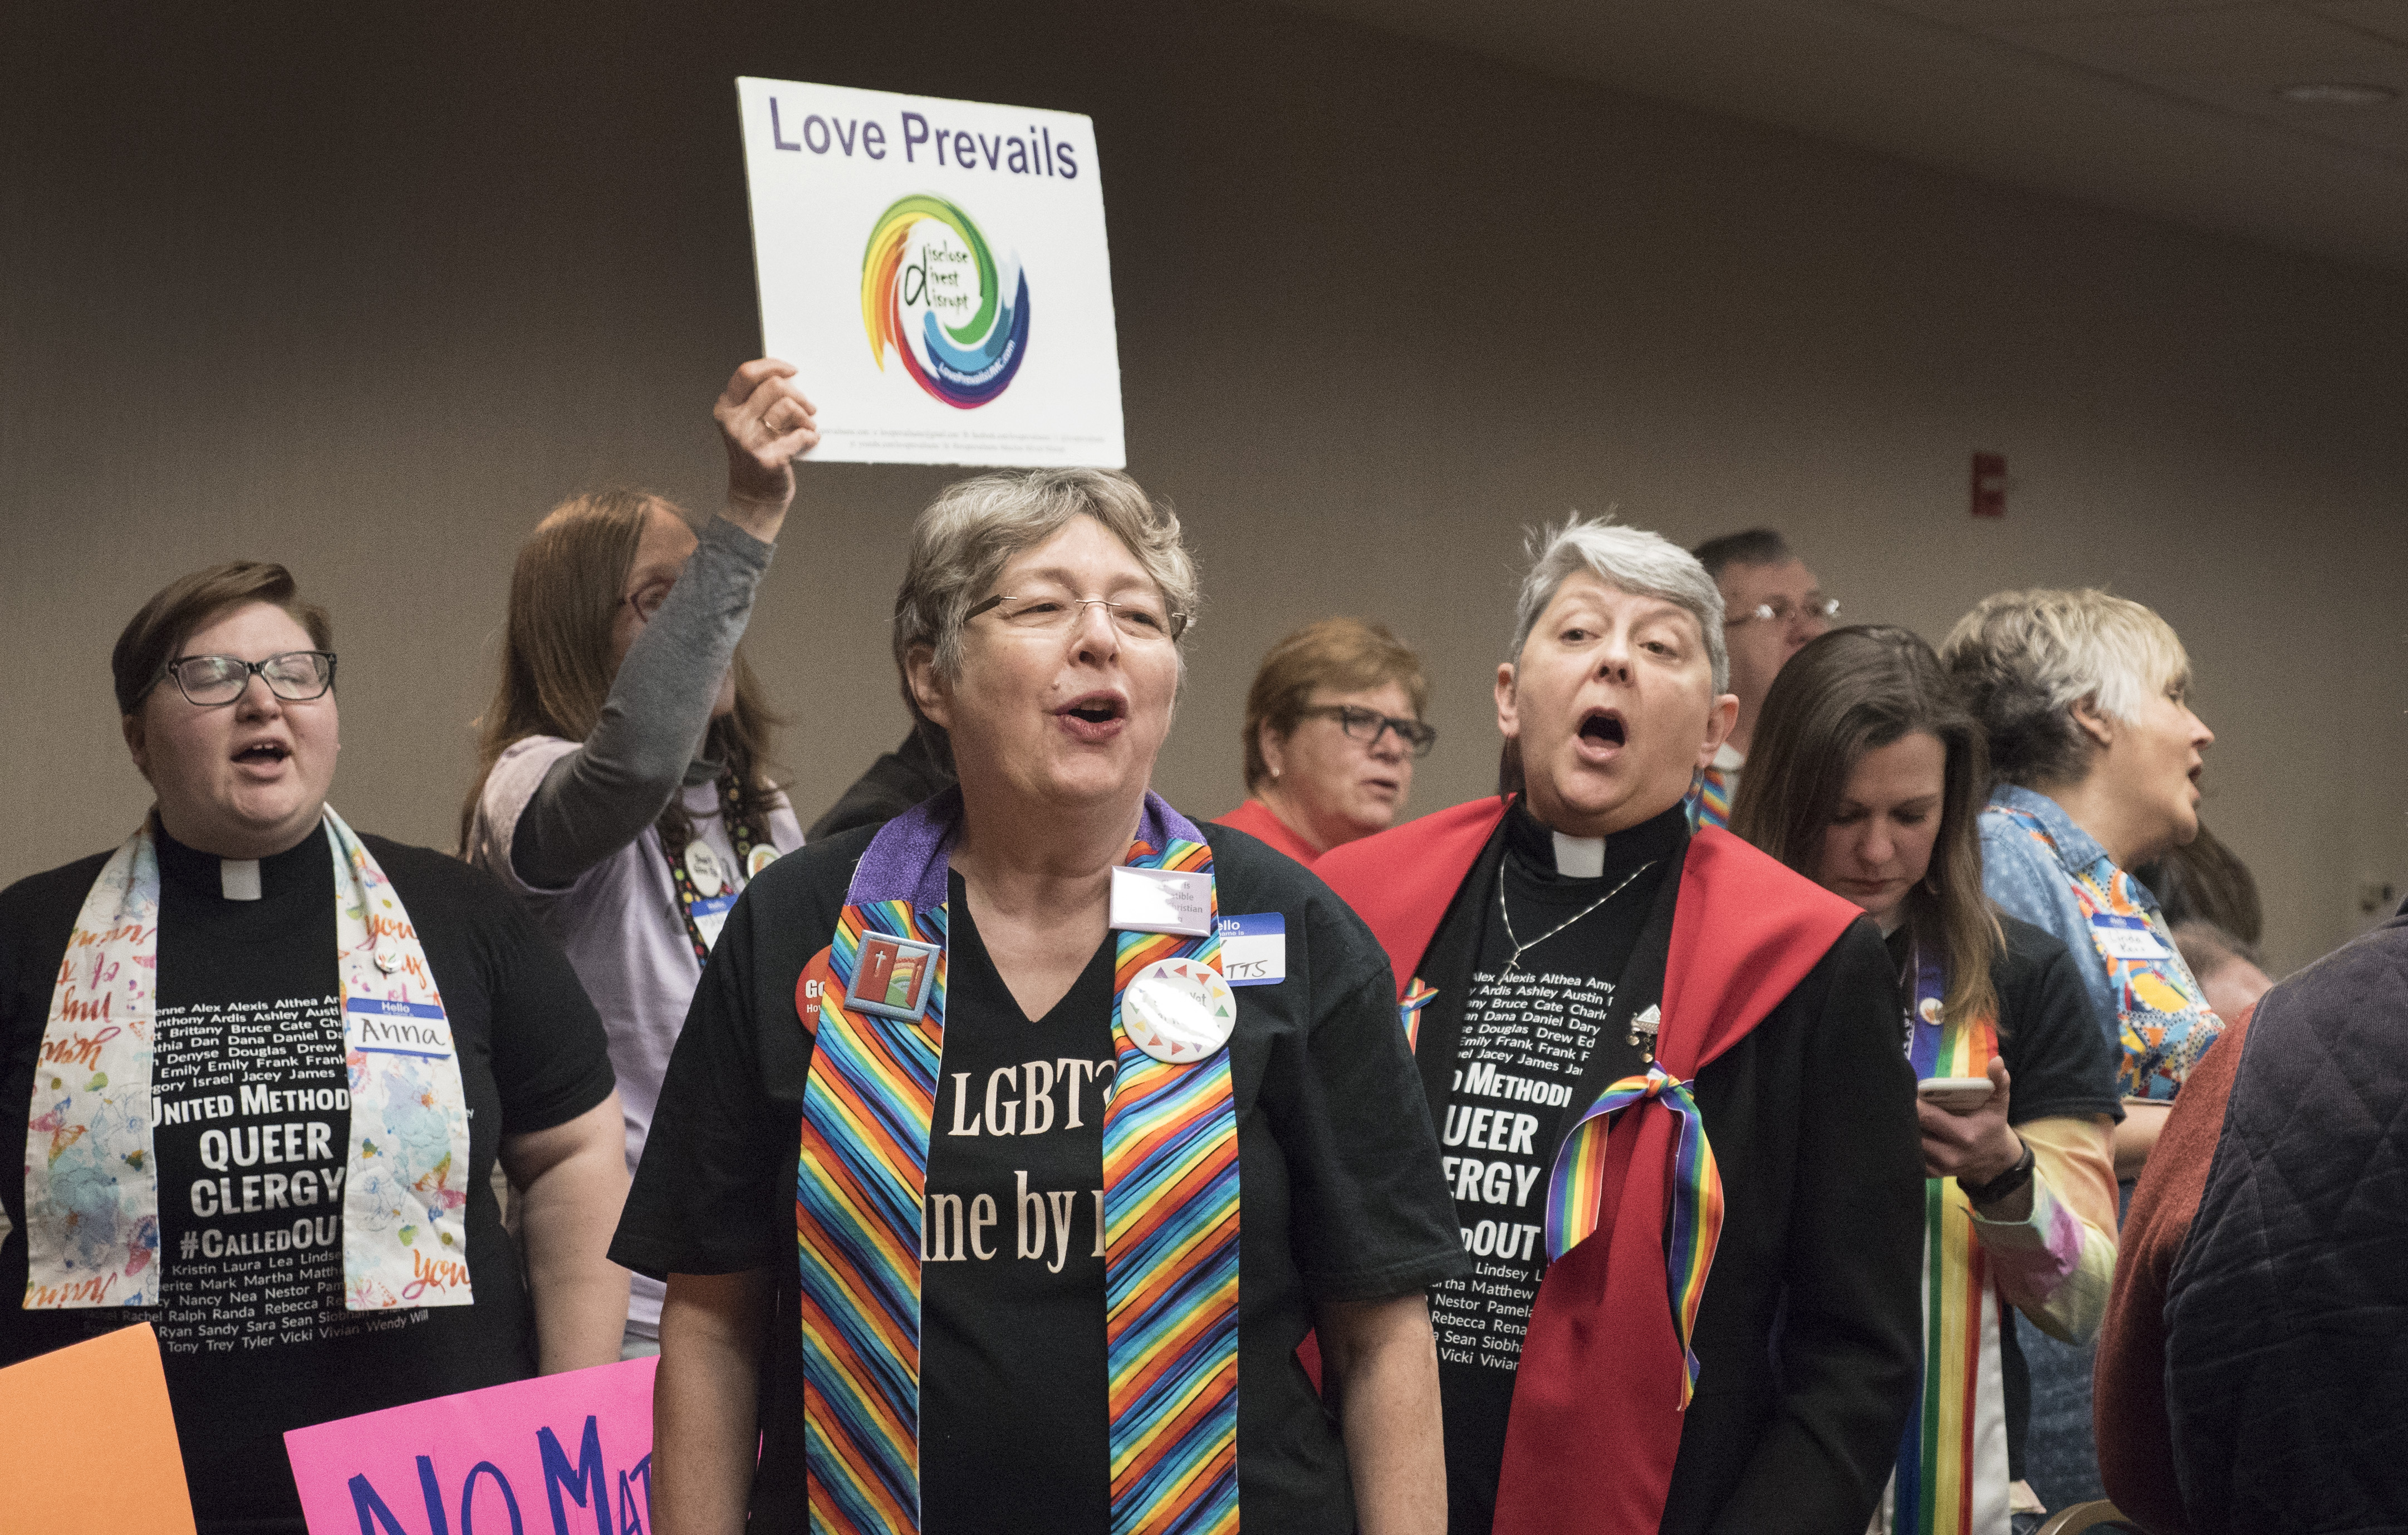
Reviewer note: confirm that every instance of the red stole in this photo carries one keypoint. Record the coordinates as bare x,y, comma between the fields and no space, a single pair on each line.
1599,1388
1259,821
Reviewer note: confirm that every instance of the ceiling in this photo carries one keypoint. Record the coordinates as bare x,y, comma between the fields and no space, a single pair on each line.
2167,110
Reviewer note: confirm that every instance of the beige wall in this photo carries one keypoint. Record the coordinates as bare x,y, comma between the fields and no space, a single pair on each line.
369,303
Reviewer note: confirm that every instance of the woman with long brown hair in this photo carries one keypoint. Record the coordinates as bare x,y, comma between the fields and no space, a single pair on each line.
1868,776
623,787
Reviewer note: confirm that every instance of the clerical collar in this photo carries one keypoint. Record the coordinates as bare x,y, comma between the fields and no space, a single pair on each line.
242,879
1542,851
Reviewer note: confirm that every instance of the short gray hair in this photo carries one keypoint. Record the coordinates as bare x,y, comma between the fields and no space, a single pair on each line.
2024,659
1631,559
973,528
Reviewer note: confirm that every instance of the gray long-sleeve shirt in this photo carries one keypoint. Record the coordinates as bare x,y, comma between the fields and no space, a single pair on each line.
599,798
567,825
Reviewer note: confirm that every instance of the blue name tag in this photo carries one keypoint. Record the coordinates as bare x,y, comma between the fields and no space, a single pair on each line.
2126,937
1254,949
710,914
391,1007
389,1026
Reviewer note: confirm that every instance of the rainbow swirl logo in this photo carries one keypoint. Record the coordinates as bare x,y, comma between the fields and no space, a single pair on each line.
926,259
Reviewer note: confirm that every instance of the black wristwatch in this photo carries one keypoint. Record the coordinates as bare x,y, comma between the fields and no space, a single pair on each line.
2005,1183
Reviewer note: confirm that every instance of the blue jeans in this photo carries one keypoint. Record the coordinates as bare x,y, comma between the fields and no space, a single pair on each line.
2061,1450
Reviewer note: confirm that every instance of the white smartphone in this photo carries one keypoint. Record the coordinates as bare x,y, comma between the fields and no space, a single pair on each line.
1957,1095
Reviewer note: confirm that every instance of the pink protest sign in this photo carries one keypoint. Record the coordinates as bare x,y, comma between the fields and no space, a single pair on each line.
560,1455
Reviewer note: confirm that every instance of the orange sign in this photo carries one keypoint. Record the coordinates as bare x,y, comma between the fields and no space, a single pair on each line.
92,1441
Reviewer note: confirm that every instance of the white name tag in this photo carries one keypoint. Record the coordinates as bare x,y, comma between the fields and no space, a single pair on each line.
2126,937
711,916
1161,900
1254,949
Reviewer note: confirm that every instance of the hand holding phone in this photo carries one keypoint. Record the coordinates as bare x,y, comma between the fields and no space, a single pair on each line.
1956,1095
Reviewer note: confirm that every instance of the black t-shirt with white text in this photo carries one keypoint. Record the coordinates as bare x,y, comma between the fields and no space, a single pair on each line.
1340,1196
1015,1185
252,1129
1532,1030
1808,1333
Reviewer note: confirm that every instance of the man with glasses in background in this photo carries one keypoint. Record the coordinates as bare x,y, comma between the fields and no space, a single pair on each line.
1333,728
1772,605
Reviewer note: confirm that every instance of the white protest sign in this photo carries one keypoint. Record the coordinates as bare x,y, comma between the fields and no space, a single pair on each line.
937,271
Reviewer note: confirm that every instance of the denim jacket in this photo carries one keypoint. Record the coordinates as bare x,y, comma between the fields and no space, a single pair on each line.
2019,873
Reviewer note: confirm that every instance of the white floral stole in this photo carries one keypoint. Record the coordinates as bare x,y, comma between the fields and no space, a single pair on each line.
92,1181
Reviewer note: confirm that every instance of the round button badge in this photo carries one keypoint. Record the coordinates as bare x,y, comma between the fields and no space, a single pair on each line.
1179,1011
761,857
702,868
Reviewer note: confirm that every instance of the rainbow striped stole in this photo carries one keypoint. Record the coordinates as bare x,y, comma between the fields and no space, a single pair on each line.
1170,1257
867,1105
2162,1019
1692,1227
1171,1219
1952,1459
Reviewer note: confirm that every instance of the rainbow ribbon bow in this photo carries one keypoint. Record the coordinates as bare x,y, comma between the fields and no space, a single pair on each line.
1710,801
1409,1010
1696,1190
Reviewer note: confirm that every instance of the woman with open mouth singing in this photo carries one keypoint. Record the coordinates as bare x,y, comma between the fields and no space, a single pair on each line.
1011,1149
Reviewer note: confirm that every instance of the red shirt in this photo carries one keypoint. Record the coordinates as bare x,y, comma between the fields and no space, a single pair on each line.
1255,819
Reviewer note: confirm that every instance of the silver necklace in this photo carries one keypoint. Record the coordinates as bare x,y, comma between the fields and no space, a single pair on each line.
1521,948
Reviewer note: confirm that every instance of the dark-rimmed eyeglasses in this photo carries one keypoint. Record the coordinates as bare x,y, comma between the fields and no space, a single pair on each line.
1368,724
1140,618
647,599
1781,611
212,681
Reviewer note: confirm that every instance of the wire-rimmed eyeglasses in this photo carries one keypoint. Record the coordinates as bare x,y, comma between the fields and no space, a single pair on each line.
1781,611
1138,618
212,681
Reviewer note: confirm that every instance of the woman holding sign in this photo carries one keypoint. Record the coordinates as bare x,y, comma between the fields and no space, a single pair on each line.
1866,777
948,1175
624,792
261,1066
